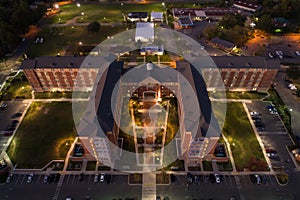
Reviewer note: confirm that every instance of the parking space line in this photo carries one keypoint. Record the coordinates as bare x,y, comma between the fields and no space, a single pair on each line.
39,177
17,178
23,179
68,179
270,178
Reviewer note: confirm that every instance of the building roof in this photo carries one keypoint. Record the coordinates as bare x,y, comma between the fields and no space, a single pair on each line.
185,21
247,5
245,62
144,32
221,42
202,12
197,82
104,113
137,15
53,62
157,15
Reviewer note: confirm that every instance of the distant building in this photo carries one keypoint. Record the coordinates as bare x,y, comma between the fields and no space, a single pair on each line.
137,16
220,43
185,22
247,6
202,13
152,50
280,22
157,17
144,32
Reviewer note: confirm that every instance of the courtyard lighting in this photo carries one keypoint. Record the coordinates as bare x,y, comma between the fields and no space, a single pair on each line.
82,13
163,3
80,43
56,6
78,5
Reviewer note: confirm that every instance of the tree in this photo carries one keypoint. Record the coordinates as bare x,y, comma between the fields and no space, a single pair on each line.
293,72
231,20
265,23
94,27
298,92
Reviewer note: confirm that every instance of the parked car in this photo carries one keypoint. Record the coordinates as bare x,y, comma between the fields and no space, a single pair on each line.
96,178
16,115
7,133
9,178
81,176
46,178
30,178
218,179
102,176
253,113
258,179
3,106
15,121
56,177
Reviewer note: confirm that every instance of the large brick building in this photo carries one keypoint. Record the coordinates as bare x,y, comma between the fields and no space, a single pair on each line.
239,73
58,73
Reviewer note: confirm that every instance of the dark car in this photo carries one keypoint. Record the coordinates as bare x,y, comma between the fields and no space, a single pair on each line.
252,178
8,133
212,178
81,176
15,121
16,115
10,128
56,177
108,179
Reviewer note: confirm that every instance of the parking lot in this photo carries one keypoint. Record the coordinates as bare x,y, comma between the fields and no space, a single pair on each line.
288,53
5,119
229,187
274,135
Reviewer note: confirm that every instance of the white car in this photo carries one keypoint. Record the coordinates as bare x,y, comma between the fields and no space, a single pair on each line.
9,178
254,113
217,177
258,179
297,53
30,178
45,179
102,177
96,178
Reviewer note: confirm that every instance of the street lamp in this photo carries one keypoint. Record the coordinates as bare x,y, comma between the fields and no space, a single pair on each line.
78,5
56,6
80,43
82,13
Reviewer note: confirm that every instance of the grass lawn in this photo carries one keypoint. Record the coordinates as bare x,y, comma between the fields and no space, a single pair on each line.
207,166
135,178
162,178
57,95
240,95
43,135
91,165
101,12
60,39
244,145
17,88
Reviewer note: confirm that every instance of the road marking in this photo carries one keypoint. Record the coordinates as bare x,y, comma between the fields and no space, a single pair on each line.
239,186
58,187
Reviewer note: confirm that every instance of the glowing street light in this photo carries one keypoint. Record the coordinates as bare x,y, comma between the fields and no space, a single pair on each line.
82,13
78,5
80,43
56,6
163,3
